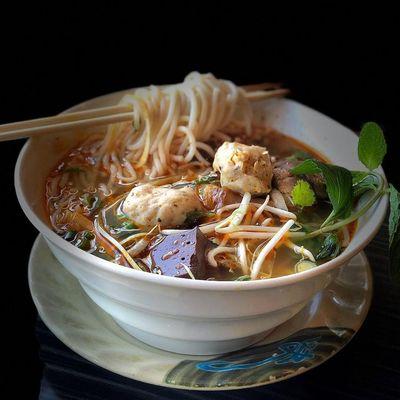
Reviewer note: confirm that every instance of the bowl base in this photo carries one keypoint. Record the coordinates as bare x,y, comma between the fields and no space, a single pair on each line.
192,347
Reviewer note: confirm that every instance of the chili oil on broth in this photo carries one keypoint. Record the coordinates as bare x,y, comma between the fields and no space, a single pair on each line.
78,191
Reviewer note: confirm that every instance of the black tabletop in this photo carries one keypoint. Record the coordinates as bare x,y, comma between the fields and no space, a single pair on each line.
367,368
341,62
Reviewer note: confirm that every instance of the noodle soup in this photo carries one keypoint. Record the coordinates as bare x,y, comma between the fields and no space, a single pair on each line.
192,189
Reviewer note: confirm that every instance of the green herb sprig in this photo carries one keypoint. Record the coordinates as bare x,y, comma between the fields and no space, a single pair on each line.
339,182
302,194
344,186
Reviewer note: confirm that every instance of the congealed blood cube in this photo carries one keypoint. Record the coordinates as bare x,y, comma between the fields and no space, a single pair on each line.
178,252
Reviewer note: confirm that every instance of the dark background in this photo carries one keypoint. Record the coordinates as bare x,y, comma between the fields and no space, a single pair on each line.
340,60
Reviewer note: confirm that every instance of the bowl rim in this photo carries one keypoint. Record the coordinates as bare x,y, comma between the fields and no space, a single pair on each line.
110,267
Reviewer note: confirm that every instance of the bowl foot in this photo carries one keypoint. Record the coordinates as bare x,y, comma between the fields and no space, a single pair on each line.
192,347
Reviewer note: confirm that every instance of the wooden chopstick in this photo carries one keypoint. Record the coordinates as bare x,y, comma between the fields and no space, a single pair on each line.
102,116
267,94
62,126
75,116
261,86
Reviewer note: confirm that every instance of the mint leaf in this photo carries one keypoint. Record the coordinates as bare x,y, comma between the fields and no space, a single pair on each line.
309,166
371,145
302,194
339,182
394,233
330,248
363,181
394,198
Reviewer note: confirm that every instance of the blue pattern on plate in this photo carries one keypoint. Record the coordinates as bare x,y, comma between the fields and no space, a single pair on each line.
290,352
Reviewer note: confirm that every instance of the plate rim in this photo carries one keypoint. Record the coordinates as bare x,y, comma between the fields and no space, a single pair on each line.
40,241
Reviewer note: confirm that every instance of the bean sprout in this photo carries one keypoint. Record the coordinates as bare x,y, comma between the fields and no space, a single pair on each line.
256,267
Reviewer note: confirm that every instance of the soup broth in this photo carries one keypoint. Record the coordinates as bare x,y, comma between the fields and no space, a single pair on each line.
85,202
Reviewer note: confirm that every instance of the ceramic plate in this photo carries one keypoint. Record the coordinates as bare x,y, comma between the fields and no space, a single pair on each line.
314,335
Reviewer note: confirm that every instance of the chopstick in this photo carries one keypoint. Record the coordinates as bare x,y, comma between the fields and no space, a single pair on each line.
28,131
261,86
266,94
58,123
103,116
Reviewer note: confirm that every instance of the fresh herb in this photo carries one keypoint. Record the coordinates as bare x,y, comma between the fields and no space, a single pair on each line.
371,146
394,233
243,278
302,194
88,235
202,180
330,247
307,167
123,224
338,182
91,201
83,240
194,218
122,216
394,215
128,225
364,181
212,177
343,186
70,235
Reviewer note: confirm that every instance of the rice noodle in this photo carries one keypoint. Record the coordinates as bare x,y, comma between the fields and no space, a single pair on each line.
198,108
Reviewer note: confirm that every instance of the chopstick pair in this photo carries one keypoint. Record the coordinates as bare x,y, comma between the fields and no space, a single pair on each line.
105,116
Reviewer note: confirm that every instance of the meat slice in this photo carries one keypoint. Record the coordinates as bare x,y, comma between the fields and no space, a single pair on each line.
177,253
317,182
283,180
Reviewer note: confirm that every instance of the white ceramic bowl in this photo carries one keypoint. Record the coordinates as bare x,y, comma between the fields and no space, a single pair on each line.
187,316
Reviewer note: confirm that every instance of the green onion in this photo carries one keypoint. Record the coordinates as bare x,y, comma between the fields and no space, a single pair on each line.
70,235
128,225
